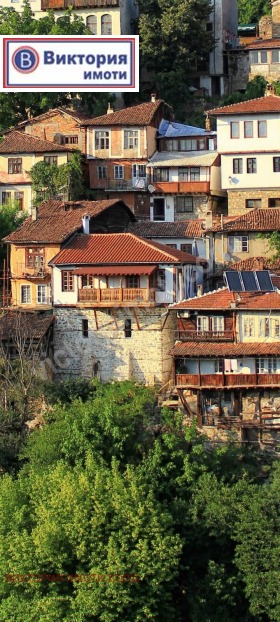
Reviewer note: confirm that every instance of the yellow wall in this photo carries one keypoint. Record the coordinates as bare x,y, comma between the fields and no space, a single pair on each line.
19,271
257,247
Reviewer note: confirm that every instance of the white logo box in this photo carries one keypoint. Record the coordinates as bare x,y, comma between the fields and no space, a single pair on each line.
64,63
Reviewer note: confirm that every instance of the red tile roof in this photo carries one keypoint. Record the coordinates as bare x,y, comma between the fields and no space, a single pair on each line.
78,116
181,229
54,224
116,270
222,299
18,142
269,103
118,248
26,324
264,44
142,114
256,263
256,220
203,349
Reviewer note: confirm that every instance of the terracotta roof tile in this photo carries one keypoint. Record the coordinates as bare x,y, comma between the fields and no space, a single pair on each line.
142,114
206,349
80,117
182,229
255,220
118,248
222,299
18,142
27,324
54,224
264,44
270,103
255,263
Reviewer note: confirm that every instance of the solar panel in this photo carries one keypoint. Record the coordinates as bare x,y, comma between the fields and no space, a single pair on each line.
264,279
233,281
250,282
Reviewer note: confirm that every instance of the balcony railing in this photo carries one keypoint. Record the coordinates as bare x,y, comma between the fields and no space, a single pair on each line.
123,184
227,380
194,335
76,4
116,295
182,186
29,272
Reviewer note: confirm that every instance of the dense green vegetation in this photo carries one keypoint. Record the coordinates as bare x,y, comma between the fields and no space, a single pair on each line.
250,11
50,181
172,528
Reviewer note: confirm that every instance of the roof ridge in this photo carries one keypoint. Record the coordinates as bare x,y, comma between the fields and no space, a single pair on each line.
214,291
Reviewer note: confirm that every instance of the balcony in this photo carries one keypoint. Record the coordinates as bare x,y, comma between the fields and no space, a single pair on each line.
190,187
227,381
120,185
30,273
77,4
193,335
117,296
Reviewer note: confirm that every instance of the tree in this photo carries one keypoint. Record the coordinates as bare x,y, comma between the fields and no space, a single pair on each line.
50,181
251,11
11,217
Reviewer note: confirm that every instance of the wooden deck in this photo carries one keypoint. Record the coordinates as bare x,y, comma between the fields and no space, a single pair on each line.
226,381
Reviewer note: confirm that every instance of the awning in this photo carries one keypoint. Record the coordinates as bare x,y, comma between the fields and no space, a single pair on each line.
115,270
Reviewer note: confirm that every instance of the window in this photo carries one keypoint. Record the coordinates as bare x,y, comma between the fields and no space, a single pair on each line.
276,165
276,328
172,145
71,140
132,281
139,170
159,209
274,202
50,159
238,243
161,174
92,24
118,171
87,281
101,139
14,165
101,172
253,203
276,56
171,245
254,58
184,204
249,327
237,166
188,144
186,248
19,197
25,297
127,328
182,173
258,57
248,129
67,278
213,324
266,365
106,24
218,366
161,280
42,294
34,258
262,129
195,173
251,165
130,139
6,197
234,129
85,328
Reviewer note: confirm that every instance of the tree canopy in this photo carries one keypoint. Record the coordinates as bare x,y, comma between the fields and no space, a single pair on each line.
251,11
50,180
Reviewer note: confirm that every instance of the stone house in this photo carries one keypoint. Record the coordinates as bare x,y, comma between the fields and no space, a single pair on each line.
265,50
248,138
18,153
110,294
227,359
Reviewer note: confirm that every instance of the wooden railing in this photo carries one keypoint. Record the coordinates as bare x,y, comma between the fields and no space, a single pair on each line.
116,294
227,380
64,4
194,335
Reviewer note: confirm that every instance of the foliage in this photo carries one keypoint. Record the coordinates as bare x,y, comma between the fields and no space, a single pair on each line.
250,11
11,217
50,180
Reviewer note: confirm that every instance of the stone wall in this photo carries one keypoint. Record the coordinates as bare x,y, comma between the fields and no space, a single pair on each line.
107,352
237,199
200,209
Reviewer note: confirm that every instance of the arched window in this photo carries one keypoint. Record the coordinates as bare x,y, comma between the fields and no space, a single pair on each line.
92,24
106,24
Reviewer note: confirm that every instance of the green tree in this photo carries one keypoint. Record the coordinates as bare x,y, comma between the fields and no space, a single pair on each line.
50,181
11,217
250,11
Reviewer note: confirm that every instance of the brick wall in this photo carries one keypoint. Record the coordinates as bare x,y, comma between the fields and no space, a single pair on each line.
237,200
58,124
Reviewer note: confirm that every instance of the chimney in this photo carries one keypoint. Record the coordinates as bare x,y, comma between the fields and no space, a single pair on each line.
199,291
109,109
207,124
34,212
270,90
153,97
86,221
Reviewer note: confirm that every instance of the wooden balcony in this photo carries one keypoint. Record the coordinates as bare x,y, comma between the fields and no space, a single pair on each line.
120,185
171,187
77,4
193,335
227,381
116,296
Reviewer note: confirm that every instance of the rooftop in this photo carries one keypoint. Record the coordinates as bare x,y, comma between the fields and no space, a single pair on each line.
183,158
268,103
80,117
263,44
206,349
142,114
180,229
172,129
18,142
28,325
255,220
223,300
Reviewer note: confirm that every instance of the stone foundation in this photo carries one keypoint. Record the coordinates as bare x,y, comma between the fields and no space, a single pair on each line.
237,200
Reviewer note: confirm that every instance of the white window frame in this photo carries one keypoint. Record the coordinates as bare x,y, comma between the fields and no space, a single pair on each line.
101,172
118,171
267,365
238,243
24,298
139,171
249,327
42,298
101,140
130,139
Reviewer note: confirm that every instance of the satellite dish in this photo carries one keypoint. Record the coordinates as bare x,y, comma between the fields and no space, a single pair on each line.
140,183
151,188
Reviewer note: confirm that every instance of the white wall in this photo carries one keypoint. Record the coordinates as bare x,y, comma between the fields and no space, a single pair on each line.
234,145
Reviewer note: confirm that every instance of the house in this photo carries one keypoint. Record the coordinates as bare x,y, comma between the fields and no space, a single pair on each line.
184,173
59,125
40,238
264,50
248,136
119,146
18,153
110,295
227,358
102,17
234,239
187,236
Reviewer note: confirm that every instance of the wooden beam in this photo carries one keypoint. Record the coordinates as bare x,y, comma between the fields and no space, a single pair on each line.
136,318
95,317
165,320
115,318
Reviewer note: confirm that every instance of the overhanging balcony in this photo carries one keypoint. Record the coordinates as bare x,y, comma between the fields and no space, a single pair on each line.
190,187
77,4
193,335
117,296
227,381
120,185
